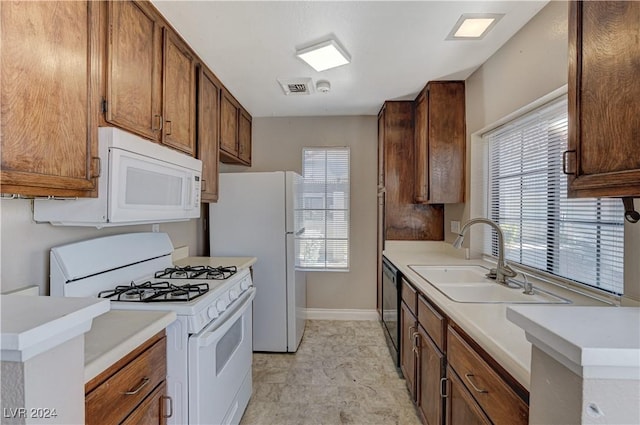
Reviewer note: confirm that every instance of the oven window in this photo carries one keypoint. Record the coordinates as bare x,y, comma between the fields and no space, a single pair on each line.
228,344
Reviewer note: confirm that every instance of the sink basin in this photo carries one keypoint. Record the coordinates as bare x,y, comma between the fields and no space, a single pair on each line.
468,284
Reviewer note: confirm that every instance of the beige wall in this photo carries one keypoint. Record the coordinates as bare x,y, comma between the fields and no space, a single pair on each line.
25,244
277,145
532,64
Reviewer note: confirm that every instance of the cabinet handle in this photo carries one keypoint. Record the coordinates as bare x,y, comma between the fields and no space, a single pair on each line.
169,127
411,330
443,385
170,414
468,377
564,161
416,342
135,391
160,122
99,167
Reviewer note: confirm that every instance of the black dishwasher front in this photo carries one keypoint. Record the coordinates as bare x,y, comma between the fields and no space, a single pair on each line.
391,308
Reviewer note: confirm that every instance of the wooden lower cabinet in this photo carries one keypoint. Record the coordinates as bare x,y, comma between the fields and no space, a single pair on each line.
451,379
431,369
152,410
461,408
408,360
133,390
488,388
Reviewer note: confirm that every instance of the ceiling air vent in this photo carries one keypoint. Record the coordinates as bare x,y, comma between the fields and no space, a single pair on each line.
296,86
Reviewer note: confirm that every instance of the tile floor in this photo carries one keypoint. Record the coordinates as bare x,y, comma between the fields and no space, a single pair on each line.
342,374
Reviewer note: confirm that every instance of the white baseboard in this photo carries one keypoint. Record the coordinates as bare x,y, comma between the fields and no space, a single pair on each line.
340,314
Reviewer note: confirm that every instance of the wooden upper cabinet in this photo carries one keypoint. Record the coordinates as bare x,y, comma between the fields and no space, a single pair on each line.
179,99
48,102
235,131
244,136
133,76
228,124
208,124
403,218
440,141
604,121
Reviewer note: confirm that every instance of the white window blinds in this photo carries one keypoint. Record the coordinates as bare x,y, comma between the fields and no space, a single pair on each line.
578,239
323,209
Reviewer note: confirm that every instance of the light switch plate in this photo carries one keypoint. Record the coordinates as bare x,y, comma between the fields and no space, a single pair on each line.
455,227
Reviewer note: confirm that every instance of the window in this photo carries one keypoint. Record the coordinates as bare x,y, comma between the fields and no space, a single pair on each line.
578,239
323,209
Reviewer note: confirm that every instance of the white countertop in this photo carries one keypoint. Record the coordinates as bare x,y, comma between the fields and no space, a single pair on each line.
33,324
239,262
117,333
593,342
487,324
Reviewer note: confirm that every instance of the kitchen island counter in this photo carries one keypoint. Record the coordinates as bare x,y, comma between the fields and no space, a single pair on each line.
118,332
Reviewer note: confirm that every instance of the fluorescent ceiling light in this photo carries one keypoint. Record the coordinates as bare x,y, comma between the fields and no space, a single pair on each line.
473,26
325,55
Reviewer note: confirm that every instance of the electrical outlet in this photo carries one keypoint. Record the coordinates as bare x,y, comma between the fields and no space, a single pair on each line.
155,228
455,227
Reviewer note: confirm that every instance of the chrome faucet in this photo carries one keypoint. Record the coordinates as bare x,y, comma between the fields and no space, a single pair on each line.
502,271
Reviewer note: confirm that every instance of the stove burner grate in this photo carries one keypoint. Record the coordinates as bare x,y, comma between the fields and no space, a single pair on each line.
155,292
197,272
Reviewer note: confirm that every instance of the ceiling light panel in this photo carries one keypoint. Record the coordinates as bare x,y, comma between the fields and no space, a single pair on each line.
473,26
325,55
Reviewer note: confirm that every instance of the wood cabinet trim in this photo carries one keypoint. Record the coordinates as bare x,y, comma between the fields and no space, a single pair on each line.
208,143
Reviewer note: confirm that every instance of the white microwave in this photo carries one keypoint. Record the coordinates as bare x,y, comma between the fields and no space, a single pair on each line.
141,182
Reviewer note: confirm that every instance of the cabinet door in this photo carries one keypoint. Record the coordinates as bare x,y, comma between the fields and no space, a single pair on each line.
208,120
134,60
409,326
430,373
152,410
228,124
461,407
604,123
421,147
179,87
446,139
244,137
49,103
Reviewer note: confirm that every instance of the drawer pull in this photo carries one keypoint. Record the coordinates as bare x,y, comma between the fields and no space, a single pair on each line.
143,384
170,414
468,377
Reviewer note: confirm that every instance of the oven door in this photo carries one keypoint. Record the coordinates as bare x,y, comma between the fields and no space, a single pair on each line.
220,366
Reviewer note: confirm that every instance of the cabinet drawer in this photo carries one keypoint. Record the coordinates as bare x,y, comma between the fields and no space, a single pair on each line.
497,399
410,296
432,321
109,402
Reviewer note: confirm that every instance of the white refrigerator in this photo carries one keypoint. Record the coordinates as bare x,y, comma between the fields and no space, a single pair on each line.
255,216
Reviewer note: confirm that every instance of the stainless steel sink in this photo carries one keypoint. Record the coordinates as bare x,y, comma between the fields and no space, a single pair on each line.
468,284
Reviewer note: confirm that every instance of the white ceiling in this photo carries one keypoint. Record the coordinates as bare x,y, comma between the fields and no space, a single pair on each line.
395,47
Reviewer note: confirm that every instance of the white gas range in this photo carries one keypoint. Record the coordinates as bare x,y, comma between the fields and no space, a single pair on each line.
209,345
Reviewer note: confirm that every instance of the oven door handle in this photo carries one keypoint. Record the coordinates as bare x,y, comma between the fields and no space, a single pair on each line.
222,324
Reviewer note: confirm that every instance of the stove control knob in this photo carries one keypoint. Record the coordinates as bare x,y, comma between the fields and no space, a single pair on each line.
212,312
234,293
221,305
